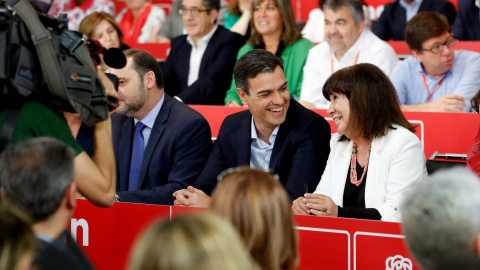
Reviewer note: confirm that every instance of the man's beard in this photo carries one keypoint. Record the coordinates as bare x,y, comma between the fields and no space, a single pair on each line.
132,106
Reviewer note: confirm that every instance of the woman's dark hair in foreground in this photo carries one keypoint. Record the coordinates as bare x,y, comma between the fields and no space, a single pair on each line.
374,105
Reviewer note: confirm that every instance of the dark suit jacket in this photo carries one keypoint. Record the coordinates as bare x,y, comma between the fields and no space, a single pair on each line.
467,22
393,20
299,154
62,254
215,73
175,154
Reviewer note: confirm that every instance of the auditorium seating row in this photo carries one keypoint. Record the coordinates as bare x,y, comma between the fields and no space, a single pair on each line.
442,132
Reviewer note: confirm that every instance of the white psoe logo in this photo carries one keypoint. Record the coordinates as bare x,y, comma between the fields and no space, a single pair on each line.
398,262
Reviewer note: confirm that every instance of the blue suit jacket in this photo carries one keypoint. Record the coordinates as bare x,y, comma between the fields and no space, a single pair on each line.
393,20
215,73
467,22
175,154
299,154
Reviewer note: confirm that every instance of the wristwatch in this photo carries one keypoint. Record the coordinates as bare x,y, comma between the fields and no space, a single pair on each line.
117,198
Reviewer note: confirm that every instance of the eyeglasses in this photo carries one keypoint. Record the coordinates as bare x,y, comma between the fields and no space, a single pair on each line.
194,11
438,48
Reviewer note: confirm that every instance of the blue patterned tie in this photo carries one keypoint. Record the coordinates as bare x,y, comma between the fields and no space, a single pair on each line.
137,156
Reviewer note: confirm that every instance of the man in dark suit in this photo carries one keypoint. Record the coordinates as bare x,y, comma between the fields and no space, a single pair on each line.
394,18
160,144
199,67
276,133
37,177
467,22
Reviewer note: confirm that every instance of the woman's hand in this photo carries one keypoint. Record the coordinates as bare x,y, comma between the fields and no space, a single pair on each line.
320,205
107,83
245,6
299,207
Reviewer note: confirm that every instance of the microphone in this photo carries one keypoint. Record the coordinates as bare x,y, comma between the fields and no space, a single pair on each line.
112,57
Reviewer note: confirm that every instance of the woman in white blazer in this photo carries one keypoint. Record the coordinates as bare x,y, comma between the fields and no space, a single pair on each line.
374,155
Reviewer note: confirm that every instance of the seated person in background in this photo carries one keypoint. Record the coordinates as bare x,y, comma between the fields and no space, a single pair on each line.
139,19
17,241
77,10
314,29
45,190
437,78
473,156
94,177
274,29
467,21
103,27
375,155
348,43
238,16
173,25
259,208
192,241
160,144
441,221
200,64
275,133
394,18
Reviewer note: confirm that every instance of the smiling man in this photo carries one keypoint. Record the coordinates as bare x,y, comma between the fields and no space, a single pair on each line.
437,78
348,43
199,67
275,134
160,144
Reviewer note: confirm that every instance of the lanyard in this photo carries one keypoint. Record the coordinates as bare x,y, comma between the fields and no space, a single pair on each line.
354,63
434,89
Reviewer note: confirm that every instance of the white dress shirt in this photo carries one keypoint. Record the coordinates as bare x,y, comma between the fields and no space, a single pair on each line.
197,54
318,67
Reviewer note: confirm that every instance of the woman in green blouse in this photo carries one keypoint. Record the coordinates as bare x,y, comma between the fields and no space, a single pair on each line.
273,28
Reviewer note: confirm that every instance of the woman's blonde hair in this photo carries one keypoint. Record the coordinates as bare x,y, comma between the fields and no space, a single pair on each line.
200,241
91,21
259,207
290,32
16,237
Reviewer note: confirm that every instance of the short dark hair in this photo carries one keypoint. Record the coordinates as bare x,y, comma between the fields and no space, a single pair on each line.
355,6
423,26
144,62
35,175
254,62
374,105
211,4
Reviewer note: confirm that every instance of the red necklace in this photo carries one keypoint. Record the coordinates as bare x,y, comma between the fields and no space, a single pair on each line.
353,166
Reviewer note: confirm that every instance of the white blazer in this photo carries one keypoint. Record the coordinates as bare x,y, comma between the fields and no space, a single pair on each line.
396,161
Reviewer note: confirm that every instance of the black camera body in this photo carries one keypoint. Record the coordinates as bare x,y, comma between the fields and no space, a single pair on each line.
42,61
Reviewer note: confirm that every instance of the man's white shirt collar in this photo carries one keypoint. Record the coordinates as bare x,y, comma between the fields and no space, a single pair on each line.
204,40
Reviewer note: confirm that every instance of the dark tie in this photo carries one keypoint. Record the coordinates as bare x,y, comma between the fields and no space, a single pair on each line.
137,156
